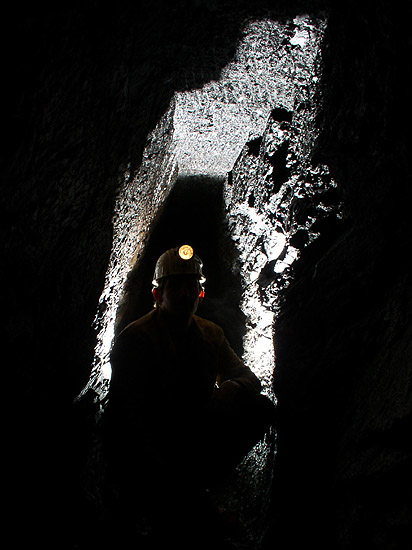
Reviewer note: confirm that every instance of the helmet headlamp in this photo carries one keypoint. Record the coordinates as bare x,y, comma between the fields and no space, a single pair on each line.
186,252
179,261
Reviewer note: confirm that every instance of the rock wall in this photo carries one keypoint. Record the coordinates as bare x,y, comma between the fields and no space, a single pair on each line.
342,340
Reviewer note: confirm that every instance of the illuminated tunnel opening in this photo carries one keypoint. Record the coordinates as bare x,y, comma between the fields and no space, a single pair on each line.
193,214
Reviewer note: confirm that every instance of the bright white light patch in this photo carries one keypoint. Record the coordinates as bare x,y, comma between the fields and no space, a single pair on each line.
302,36
213,123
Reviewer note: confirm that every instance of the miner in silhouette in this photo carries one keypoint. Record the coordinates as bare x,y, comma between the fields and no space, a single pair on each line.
183,408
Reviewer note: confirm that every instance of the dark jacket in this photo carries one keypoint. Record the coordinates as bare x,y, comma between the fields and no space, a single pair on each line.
159,386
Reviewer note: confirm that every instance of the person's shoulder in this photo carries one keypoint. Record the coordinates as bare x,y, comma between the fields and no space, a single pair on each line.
208,328
143,326
136,337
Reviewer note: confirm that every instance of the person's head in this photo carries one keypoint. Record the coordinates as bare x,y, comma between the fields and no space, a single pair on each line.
178,282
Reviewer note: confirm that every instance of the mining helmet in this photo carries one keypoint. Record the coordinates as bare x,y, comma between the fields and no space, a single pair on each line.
179,261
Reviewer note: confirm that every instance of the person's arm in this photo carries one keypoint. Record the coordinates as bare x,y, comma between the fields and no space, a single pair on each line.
233,375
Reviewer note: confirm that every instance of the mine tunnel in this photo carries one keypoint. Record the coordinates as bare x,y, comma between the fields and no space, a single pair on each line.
193,213
267,136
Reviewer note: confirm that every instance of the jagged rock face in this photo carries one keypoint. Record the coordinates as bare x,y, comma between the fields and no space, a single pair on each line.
343,375
88,94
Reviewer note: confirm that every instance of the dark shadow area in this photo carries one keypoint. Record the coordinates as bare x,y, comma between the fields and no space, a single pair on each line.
192,214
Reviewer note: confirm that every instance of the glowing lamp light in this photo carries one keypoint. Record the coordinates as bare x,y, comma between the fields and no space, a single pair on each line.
186,252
